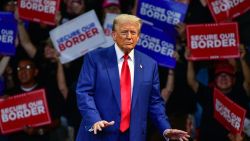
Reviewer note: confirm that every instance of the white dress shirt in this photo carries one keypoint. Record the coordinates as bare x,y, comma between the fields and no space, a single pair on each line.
131,62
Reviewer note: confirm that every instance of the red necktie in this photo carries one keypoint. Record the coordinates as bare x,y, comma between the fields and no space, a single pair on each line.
125,84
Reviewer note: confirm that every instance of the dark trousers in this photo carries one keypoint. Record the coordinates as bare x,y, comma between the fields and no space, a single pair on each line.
124,136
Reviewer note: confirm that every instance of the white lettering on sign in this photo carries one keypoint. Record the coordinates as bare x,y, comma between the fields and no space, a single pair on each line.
213,40
77,36
22,111
224,5
160,14
156,45
228,115
46,6
6,36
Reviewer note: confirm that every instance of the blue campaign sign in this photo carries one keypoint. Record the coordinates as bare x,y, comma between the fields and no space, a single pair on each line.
163,14
8,29
157,44
1,85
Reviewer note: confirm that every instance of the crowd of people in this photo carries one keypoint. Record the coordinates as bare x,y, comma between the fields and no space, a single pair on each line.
186,89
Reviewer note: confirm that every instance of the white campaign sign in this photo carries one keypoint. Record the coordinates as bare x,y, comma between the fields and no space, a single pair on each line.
78,36
107,26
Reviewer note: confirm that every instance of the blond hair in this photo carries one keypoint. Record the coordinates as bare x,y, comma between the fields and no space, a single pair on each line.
123,18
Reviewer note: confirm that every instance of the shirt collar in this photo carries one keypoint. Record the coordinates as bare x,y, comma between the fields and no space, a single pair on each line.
29,89
120,54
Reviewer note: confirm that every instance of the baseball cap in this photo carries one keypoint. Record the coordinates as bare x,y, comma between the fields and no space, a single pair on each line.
224,67
107,3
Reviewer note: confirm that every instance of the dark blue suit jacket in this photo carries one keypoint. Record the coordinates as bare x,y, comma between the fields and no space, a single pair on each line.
98,96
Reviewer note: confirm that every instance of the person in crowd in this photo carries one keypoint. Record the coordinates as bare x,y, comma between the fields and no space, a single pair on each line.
71,112
8,5
27,73
45,55
51,72
226,81
115,103
73,8
111,6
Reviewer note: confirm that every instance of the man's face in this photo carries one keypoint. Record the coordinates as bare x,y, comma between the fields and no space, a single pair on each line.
26,72
126,35
10,6
224,81
75,7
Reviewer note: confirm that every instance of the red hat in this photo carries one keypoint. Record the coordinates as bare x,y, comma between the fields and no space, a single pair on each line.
224,67
107,3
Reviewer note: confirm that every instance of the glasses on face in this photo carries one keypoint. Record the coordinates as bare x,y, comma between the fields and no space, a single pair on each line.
27,67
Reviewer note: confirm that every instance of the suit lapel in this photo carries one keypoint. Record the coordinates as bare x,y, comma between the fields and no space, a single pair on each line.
138,77
113,72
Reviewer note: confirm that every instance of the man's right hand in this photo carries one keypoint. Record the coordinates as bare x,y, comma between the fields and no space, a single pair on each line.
98,126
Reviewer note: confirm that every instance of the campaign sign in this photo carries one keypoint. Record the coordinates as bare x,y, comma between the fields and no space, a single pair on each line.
107,26
78,36
27,109
163,14
158,45
228,113
8,29
213,41
42,11
223,10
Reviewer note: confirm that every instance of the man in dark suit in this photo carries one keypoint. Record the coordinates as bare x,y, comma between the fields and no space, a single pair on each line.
118,88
